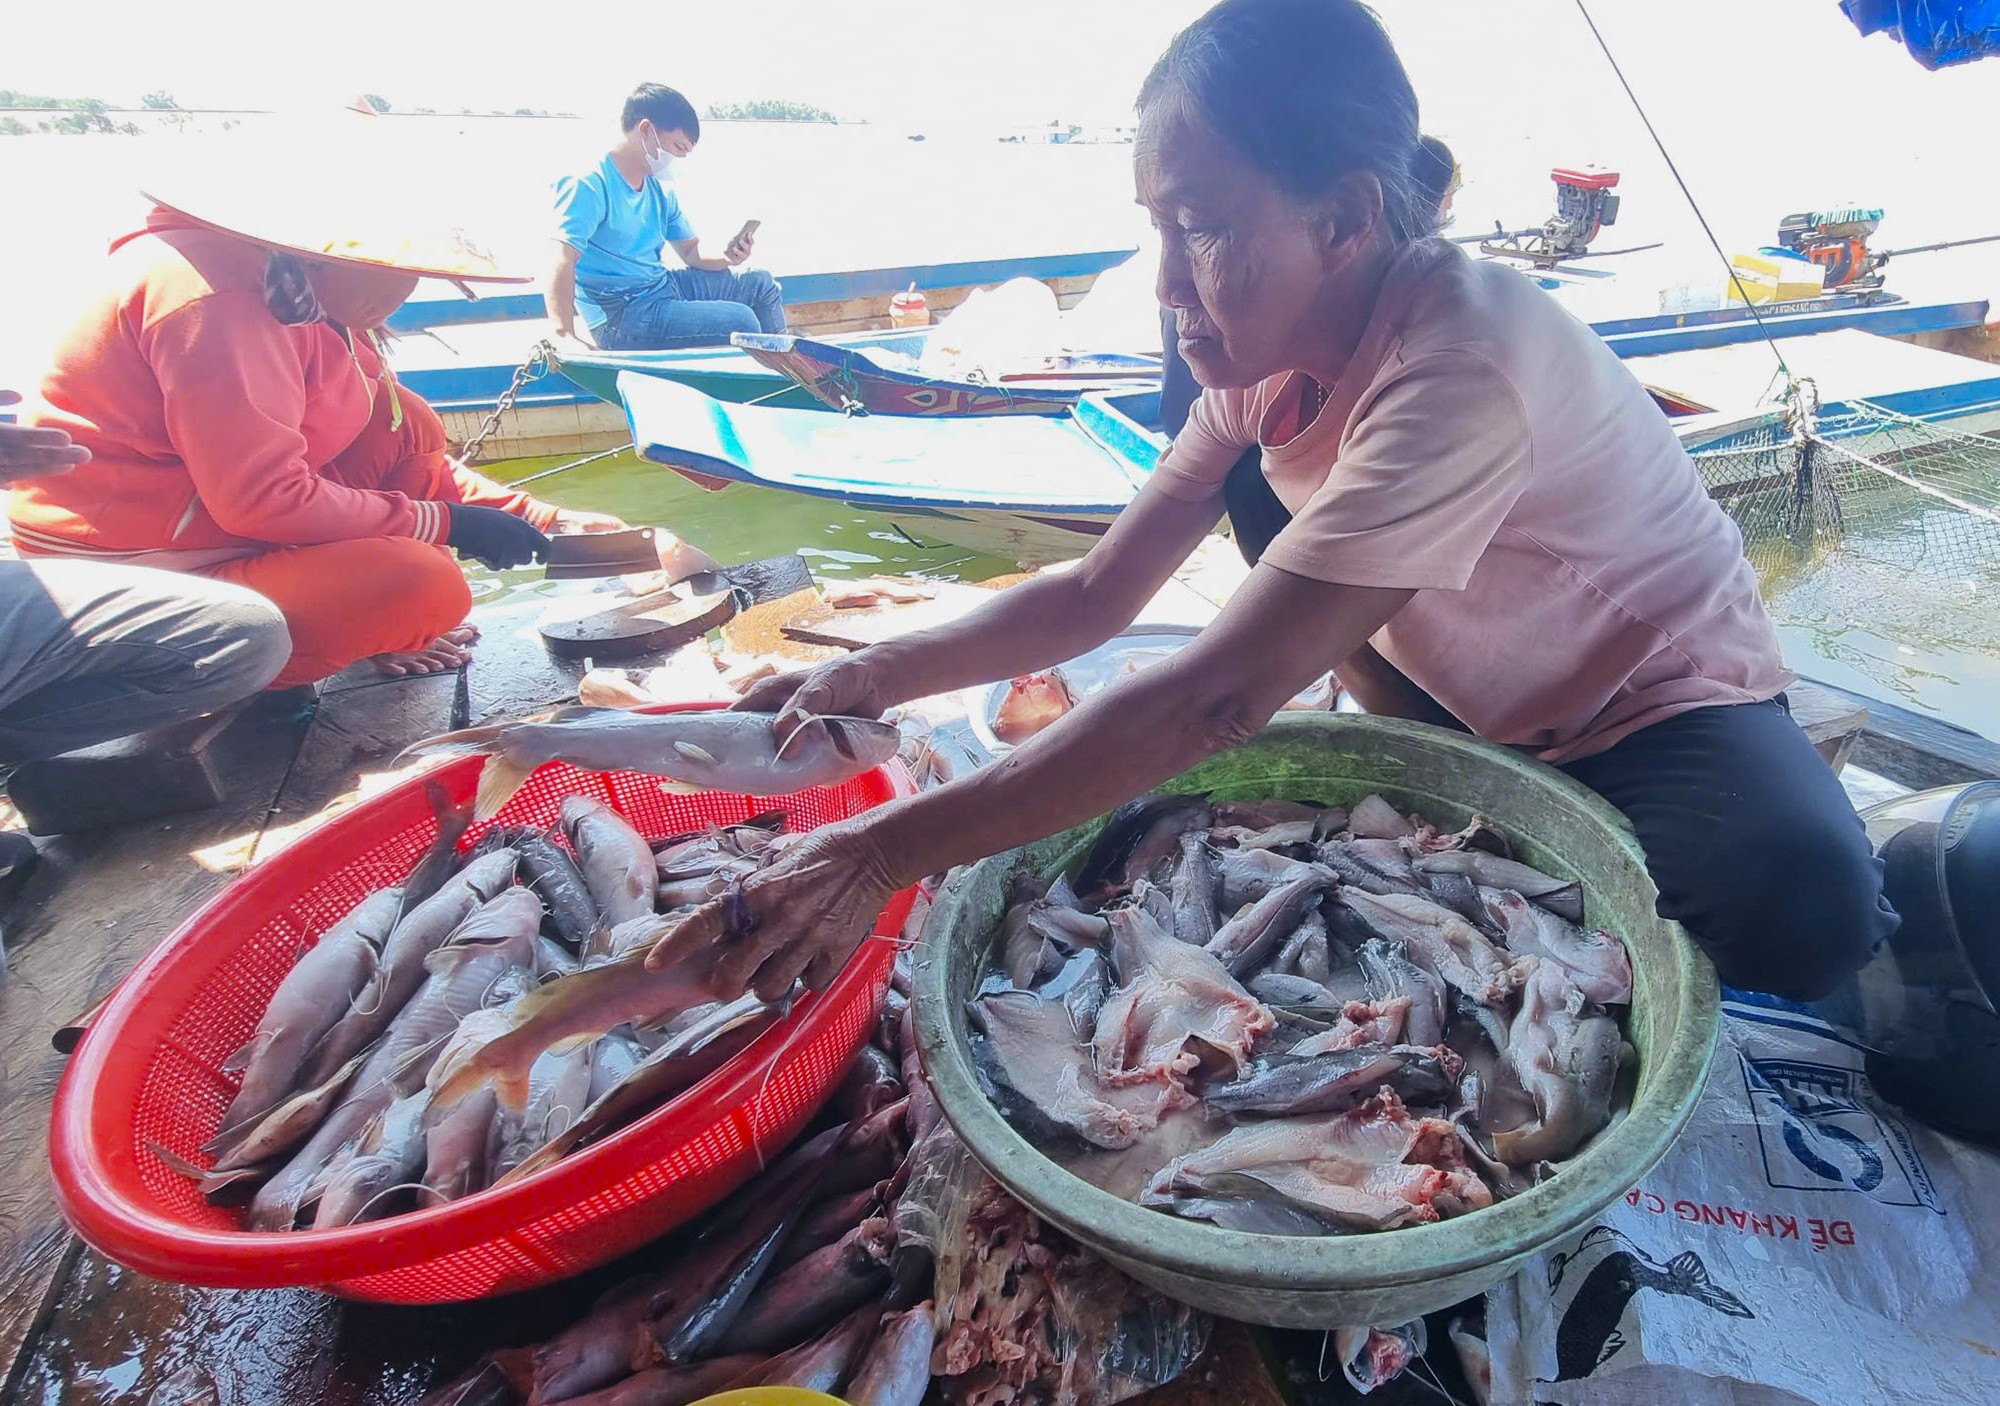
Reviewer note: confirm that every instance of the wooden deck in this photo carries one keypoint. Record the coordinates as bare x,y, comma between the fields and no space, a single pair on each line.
80,1331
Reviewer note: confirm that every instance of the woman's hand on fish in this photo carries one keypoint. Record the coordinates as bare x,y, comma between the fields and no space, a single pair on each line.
800,916
847,687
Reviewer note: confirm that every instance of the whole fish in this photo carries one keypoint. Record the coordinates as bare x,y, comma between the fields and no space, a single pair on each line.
680,1063
1288,1085
400,971
707,751
462,976
1247,940
384,1162
574,1008
287,1125
723,1269
828,1223
1596,962
308,1002
897,1368
1565,1053
458,1145
617,864
807,1297
596,1350
548,869
823,1365
558,1094
1560,896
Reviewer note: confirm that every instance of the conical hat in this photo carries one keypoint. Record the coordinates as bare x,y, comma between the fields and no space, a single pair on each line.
345,194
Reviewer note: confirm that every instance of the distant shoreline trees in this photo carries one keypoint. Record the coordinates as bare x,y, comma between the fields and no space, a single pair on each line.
769,110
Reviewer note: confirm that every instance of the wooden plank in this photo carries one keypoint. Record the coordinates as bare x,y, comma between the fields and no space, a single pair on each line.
1915,750
1832,723
99,903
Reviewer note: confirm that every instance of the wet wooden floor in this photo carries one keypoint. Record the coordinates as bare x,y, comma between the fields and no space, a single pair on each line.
76,1330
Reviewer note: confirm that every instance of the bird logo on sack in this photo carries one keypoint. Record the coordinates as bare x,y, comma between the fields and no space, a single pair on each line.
1588,1334
1819,1131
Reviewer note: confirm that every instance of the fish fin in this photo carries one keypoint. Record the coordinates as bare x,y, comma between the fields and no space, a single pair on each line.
499,779
682,788
244,1056
806,720
695,753
445,744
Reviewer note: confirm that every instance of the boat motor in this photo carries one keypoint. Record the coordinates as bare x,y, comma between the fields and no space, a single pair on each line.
1837,240
1584,206
1926,1004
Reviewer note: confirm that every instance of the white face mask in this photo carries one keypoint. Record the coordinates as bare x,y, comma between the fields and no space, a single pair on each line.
660,162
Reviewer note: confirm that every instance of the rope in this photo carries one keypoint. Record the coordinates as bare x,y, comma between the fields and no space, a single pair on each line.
1693,205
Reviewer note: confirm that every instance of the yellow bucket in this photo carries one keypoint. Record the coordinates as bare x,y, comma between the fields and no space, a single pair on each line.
771,1396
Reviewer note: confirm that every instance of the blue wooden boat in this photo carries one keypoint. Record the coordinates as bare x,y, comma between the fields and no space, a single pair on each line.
1032,488
847,378
1038,488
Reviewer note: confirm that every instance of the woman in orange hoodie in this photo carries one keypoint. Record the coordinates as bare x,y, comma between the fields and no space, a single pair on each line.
243,425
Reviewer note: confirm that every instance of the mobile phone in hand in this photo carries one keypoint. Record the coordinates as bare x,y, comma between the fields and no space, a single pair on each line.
743,235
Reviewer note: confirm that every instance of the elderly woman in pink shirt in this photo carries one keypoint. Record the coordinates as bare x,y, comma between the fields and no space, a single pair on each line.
1453,493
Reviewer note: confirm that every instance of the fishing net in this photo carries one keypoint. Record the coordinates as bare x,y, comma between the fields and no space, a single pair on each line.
1875,533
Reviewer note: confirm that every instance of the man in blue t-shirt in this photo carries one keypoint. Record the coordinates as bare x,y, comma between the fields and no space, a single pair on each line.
611,225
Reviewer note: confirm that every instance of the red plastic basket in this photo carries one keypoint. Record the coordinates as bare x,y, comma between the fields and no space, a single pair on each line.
150,1071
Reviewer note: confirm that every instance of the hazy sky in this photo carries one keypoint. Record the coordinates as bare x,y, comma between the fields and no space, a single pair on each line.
902,61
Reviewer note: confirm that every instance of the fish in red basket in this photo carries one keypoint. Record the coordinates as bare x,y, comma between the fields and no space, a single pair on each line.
700,751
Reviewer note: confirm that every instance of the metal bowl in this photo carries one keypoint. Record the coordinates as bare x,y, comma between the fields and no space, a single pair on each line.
1324,1281
1132,648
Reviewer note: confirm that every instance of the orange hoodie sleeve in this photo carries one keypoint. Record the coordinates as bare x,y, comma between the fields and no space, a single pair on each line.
233,387
474,489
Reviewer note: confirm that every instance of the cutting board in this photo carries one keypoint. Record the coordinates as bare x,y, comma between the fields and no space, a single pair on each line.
857,629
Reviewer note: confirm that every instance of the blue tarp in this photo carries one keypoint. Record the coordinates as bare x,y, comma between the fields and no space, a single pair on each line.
1936,32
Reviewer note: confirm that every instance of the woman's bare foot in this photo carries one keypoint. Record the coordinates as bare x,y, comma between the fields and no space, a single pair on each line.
453,650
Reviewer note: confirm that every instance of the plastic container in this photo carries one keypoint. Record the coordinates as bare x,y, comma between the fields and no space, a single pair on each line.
908,309
1394,1276
149,1071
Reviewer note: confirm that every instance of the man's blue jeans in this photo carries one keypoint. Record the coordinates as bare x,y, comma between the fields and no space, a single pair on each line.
694,308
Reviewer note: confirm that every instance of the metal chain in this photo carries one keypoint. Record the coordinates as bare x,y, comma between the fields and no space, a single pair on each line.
534,368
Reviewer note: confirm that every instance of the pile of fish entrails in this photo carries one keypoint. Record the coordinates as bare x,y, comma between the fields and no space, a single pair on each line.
480,1021
823,1272
1294,1020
